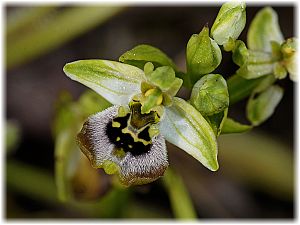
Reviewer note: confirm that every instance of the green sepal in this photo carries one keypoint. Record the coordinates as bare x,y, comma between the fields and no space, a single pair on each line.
264,29
230,22
258,64
231,126
210,95
203,55
261,106
116,82
141,54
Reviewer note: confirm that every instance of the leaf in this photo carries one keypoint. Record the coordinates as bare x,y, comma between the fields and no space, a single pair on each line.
54,30
116,82
180,199
185,127
263,29
210,95
141,54
260,108
203,55
230,22
217,120
231,126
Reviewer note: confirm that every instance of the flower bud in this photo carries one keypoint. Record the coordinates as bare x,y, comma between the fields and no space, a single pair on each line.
203,55
230,22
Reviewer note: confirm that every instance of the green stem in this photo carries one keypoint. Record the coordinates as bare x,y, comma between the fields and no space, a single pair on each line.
180,199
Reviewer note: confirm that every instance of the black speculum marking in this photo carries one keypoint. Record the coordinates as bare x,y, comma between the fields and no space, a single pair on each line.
145,134
124,141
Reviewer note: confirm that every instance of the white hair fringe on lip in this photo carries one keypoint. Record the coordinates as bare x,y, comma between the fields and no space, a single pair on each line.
139,169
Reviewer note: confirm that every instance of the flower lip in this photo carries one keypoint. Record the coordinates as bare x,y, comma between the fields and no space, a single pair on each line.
137,165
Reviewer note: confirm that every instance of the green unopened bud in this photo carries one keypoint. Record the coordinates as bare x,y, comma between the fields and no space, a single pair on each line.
230,22
210,95
203,55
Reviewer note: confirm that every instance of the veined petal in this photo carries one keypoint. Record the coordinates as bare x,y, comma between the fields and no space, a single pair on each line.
185,127
115,81
102,144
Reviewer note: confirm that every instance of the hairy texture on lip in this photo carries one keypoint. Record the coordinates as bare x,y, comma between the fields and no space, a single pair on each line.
131,169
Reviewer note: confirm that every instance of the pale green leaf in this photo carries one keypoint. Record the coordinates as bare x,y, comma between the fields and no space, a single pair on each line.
185,127
116,82
263,29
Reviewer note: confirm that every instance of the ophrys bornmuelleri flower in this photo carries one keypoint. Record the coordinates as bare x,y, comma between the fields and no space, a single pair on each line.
128,138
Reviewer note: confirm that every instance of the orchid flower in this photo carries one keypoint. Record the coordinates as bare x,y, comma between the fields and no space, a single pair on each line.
128,138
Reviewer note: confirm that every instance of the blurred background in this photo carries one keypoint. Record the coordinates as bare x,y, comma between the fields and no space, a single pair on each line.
256,175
